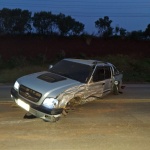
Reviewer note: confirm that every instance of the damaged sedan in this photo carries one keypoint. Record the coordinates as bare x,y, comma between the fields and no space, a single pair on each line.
68,83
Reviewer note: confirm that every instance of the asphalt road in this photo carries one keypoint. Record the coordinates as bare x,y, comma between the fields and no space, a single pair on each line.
5,92
119,122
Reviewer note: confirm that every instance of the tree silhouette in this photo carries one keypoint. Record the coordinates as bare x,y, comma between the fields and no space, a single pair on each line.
68,26
15,21
44,22
147,31
104,26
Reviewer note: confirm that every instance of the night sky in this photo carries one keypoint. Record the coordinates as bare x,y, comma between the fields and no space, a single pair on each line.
128,14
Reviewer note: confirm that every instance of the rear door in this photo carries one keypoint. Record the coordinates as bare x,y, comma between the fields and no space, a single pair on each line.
101,83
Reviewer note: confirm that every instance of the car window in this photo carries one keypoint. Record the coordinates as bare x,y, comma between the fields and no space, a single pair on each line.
107,73
98,74
72,70
116,71
102,73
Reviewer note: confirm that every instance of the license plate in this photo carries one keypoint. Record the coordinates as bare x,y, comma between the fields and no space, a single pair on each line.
23,105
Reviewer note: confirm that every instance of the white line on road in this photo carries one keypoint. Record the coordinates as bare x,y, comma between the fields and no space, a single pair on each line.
15,122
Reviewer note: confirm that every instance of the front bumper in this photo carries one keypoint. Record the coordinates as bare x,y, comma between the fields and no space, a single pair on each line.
37,110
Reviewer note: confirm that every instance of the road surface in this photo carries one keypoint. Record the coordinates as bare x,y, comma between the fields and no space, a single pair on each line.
119,122
5,92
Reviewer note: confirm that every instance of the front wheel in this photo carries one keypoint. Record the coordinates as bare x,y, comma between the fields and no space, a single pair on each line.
116,89
73,103
51,118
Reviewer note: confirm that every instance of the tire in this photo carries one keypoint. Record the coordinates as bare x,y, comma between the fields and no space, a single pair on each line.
116,89
54,119
73,103
29,116
51,119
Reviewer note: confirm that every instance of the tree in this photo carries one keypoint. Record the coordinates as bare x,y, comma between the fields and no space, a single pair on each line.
64,24
15,21
122,32
77,28
117,30
44,22
1,25
68,26
21,21
147,31
137,35
108,32
6,20
104,26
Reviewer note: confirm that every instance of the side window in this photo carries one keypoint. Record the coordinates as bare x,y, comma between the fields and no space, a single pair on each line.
99,74
115,70
107,73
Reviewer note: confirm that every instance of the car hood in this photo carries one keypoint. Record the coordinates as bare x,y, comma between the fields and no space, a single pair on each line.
48,84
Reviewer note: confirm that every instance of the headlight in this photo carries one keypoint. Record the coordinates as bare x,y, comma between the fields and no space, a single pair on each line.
50,102
116,82
16,85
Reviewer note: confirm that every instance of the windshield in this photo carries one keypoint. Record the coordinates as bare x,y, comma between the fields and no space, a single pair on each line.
72,70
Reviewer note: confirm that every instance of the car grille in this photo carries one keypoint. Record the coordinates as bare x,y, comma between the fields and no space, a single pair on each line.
29,93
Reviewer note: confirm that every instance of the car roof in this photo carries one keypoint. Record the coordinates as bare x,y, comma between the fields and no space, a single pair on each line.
88,61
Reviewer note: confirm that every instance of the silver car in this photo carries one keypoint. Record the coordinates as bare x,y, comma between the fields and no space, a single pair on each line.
70,82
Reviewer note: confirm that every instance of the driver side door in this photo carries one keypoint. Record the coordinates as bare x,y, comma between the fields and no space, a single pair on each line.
96,86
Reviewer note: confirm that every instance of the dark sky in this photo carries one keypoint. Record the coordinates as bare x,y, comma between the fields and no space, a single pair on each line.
128,14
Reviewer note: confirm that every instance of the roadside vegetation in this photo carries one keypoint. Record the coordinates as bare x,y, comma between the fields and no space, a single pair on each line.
134,70
25,27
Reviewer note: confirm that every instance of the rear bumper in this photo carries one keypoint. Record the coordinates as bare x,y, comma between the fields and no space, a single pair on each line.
37,110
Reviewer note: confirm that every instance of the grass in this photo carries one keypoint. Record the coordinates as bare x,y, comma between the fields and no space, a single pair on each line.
10,75
134,69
